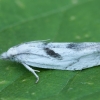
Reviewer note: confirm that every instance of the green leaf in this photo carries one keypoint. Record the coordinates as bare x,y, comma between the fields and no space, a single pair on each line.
60,21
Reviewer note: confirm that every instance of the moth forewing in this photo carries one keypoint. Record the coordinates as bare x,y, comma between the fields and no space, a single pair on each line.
62,56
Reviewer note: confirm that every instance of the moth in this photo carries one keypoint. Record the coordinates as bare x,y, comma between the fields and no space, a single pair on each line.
61,56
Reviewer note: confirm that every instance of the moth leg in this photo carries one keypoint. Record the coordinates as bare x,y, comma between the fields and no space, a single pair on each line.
32,70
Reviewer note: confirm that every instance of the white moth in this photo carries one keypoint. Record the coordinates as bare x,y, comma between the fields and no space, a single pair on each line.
62,56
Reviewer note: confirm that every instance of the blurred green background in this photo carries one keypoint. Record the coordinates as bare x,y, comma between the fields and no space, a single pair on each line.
60,21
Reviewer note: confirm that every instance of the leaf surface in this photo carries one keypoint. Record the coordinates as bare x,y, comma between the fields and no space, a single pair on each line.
61,21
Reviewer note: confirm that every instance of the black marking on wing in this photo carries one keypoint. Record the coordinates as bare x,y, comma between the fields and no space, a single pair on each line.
52,53
72,46
76,46
45,43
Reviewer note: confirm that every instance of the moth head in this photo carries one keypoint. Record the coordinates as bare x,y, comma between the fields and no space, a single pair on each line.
9,54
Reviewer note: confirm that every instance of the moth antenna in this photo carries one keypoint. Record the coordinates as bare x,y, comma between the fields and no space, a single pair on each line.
43,40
